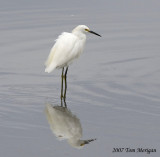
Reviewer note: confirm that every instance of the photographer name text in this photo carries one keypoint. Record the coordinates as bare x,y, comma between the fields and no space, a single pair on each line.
134,150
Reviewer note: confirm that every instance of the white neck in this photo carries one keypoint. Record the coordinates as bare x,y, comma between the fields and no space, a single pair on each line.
79,34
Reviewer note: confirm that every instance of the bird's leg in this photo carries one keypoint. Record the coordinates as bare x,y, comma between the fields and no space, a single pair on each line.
65,78
66,72
62,84
64,100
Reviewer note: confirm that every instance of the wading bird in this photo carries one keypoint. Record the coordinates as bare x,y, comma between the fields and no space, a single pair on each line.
67,48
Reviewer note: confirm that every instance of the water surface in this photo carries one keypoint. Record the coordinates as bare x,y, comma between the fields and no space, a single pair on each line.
113,88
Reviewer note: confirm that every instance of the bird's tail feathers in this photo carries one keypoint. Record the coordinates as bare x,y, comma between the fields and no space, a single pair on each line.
50,67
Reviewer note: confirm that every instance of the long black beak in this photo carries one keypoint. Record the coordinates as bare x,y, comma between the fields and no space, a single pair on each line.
94,33
88,141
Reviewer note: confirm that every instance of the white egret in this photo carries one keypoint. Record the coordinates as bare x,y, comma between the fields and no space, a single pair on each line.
65,125
68,47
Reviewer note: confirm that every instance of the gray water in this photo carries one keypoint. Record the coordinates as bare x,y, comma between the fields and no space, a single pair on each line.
114,87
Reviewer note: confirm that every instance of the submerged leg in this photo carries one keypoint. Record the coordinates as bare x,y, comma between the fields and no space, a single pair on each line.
65,79
62,84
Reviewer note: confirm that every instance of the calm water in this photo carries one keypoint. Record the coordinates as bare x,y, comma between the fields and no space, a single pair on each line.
113,89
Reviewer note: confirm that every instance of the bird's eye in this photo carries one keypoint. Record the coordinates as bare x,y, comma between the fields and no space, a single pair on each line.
86,30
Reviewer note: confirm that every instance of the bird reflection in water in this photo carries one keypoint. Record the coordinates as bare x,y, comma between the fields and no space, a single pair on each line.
65,125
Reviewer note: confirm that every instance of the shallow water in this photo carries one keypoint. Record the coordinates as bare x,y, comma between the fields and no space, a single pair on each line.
114,87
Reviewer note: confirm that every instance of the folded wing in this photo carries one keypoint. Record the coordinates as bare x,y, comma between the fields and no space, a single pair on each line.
63,52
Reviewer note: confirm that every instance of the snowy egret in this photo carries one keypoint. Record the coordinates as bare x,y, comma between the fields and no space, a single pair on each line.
67,48
65,125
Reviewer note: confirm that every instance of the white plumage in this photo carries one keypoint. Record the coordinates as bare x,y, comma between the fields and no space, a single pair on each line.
65,125
68,47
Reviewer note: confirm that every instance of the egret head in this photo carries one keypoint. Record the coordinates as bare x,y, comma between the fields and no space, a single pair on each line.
84,29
